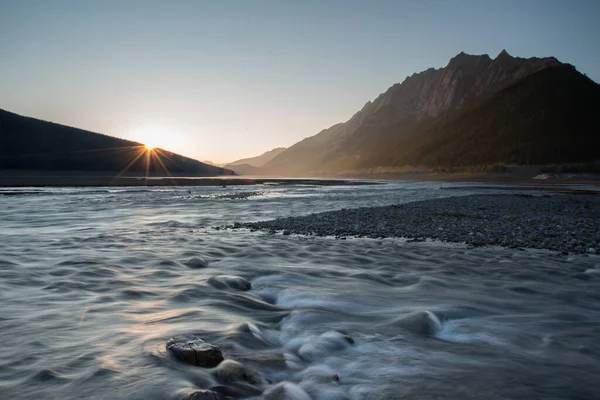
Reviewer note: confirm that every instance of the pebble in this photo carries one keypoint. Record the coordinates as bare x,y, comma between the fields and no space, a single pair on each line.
561,222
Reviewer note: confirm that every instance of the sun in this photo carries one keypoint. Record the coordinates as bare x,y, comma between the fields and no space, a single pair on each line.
153,137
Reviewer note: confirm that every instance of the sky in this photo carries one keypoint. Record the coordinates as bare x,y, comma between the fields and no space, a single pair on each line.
223,80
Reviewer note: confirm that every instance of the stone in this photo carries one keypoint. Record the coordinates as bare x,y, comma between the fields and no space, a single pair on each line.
197,263
204,395
230,371
195,351
326,343
237,390
348,339
420,322
285,391
229,282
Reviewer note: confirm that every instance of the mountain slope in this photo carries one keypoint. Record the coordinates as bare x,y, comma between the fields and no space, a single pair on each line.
411,115
548,117
32,144
258,161
251,166
244,169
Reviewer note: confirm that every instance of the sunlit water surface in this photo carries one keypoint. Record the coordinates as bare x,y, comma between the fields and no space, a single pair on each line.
93,282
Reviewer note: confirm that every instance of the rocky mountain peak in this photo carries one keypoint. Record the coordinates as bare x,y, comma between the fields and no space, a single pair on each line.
420,98
435,91
504,54
464,60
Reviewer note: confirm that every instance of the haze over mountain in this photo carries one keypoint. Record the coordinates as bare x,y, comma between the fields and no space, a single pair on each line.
32,144
261,160
475,110
252,165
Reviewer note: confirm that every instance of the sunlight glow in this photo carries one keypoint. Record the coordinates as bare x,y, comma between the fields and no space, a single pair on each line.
154,137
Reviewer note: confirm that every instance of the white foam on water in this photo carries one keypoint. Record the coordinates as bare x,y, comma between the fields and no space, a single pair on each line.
286,391
328,367
436,324
293,298
593,271
466,331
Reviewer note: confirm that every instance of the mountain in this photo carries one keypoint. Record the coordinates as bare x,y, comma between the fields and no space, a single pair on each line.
251,166
549,117
245,169
32,144
261,160
475,110
209,162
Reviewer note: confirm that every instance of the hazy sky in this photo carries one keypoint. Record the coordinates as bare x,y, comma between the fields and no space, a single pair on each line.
220,80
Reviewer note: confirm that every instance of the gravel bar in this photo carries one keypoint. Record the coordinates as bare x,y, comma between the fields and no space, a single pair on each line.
564,223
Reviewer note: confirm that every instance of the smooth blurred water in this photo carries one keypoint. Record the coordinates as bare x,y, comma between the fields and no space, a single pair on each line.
93,282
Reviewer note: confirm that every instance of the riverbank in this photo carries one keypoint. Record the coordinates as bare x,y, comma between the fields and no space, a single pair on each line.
523,175
558,222
90,181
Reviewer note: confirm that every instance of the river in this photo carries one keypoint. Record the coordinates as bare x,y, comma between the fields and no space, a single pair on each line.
94,281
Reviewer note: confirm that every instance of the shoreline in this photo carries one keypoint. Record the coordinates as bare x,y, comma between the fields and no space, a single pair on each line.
516,175
91,181
559,222
42,180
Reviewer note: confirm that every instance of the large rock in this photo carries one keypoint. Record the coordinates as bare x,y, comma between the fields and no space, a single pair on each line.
195,351
229,282
420,322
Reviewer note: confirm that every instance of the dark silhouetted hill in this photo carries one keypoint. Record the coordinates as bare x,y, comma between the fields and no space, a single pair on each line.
476,110
32,144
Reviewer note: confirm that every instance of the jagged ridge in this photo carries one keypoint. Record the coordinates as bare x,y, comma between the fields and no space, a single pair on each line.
375,136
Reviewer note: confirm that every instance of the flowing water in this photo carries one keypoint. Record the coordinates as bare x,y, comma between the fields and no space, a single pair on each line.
93,282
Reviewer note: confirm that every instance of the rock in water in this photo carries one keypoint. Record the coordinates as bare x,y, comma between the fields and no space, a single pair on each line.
421,322
197,263
191,394
285,391
323,345
237,390
230,371
204,395
229,281
195,351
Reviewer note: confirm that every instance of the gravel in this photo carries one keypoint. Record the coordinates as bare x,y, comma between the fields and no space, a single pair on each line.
564,223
